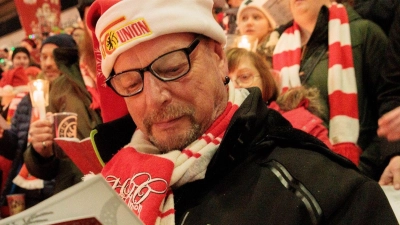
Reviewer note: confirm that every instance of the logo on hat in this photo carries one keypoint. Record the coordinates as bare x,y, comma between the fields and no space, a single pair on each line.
113,39
111,42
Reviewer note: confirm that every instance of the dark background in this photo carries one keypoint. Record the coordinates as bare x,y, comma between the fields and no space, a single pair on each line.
9,21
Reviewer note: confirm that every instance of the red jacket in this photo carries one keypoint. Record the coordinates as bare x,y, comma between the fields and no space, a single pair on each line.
304,120
14,77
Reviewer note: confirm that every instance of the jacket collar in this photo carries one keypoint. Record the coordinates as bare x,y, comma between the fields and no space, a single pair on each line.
255,128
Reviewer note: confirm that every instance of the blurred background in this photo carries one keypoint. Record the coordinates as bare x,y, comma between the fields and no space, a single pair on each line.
12,12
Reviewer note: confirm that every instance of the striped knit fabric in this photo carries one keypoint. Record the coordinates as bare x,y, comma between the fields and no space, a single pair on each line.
342,88
144,178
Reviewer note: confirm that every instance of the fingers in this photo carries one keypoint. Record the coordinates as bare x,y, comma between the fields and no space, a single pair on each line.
389,125
391,174
395,170
389,116
40,127
386,177
41,137
40,124
396,179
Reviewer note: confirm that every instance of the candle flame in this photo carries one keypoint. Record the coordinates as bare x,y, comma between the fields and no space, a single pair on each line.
244,43
38,84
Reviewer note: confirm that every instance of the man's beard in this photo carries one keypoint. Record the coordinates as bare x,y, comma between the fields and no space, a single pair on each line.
173,141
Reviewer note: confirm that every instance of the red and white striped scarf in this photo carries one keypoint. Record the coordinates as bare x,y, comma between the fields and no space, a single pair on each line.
342,88
144,178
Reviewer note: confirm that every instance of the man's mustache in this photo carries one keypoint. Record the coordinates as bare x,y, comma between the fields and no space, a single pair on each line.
168,113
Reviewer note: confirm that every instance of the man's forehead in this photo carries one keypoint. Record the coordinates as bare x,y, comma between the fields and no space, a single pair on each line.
48,48
152,49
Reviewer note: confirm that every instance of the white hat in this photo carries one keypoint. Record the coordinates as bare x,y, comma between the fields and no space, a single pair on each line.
119,25
258,4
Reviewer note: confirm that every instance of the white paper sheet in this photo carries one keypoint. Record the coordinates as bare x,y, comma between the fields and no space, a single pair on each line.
394,199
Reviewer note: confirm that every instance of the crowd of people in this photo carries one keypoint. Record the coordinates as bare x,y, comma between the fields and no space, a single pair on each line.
303,129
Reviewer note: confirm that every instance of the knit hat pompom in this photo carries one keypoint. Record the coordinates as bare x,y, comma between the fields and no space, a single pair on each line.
120,25
20,49
257,4
61,40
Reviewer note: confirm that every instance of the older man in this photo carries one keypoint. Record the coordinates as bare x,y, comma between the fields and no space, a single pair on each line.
203,152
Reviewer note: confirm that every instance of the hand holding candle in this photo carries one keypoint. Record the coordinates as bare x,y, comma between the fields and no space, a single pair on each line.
39,90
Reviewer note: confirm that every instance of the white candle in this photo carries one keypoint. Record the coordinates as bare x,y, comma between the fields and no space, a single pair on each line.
38,98
244,43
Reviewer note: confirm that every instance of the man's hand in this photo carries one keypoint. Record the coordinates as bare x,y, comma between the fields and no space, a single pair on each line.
41,137
389,125
391,174
1,132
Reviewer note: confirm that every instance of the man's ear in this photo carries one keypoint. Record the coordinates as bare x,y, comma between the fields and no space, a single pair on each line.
222,61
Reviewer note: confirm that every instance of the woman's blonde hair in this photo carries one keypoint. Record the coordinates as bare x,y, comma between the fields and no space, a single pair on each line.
293,97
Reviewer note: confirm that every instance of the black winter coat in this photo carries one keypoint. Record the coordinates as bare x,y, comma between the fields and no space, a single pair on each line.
266,172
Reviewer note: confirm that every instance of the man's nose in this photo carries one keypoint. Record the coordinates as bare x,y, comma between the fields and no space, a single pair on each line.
156,91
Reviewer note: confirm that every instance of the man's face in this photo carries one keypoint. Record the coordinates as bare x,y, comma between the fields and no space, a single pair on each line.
47,63
173,114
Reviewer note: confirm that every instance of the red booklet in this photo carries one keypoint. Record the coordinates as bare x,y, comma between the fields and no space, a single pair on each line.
82,153
85,221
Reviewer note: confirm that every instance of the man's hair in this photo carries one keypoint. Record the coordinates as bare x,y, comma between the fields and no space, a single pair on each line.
82,4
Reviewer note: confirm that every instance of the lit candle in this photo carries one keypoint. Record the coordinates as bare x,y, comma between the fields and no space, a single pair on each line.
38,98
244,43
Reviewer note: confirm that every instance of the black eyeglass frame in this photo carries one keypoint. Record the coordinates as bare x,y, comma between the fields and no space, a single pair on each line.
188,50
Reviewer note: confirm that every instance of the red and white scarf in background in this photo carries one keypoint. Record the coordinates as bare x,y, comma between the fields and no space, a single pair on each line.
342,87
143,177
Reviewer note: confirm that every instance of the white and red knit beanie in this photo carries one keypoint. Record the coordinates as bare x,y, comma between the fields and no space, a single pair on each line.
258,4
120,25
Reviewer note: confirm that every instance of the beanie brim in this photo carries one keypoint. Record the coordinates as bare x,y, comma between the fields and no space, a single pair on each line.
122,26
61,40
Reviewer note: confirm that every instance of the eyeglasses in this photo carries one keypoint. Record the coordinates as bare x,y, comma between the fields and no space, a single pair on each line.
167,67
245,79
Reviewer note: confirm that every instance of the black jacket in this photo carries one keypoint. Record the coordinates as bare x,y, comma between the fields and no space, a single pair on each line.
266,172
389,97
380,12
14,142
